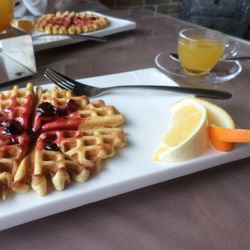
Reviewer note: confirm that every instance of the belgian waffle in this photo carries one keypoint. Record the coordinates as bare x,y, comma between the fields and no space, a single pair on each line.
59,99
17,104
69,139
12,151
41,163
76,155
15,107
82,115
94,115
90,147
70,23
5,184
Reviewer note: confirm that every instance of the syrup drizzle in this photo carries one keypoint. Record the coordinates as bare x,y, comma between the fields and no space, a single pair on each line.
15,130
12,110
47,113
68,21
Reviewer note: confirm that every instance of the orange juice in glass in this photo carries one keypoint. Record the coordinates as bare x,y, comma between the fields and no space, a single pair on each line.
199,50
6,14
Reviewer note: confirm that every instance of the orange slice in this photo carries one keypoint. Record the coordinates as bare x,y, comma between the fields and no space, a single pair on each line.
24,25
219,118
224,139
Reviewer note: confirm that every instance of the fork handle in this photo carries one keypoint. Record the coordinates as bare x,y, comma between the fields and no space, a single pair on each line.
237,58
207,93
79,36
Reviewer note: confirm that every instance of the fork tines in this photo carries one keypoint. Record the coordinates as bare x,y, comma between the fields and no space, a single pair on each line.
60,80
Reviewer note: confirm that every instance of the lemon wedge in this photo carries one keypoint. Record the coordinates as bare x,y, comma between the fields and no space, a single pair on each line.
187,136
24,25
216,115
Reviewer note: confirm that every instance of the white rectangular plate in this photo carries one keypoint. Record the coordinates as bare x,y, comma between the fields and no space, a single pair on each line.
147,118
117,25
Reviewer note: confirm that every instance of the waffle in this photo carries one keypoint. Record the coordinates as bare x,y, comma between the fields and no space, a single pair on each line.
59,99
40,164
67,140
13,149
94,115
15,108
5,184
17,104
76,155
90,147
70,23
82,115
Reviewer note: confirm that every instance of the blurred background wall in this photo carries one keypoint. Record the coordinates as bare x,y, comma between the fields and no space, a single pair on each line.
229,16
162,6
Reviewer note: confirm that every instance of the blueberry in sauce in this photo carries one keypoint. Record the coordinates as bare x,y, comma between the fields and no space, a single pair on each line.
61,112
71,106
49,138
46,109
13,141
5,123
13,128
51,147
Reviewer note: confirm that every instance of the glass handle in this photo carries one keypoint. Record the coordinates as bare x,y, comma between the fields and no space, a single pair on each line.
231,49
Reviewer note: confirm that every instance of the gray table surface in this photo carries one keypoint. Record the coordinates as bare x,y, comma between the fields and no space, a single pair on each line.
205,210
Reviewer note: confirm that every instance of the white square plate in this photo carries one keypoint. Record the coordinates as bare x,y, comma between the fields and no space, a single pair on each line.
147,115
117,25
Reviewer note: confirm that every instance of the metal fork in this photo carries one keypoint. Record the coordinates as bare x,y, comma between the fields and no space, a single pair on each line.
77,36
78,88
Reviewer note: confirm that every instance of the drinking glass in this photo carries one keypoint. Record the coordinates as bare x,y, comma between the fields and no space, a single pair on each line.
199,49
6,14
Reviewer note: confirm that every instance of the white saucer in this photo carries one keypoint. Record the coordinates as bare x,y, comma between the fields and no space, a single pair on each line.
223,71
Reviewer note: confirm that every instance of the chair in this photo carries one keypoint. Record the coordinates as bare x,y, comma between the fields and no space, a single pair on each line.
228,16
